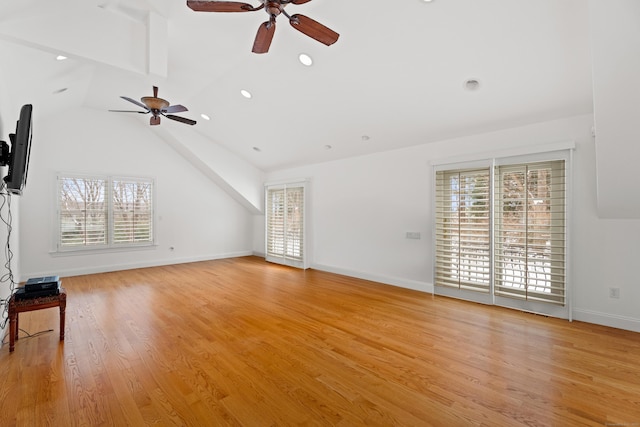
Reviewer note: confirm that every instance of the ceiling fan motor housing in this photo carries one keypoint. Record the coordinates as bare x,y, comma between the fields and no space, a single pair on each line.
153,103
273,8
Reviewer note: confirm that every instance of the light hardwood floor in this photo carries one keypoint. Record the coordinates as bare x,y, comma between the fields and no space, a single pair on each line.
245,343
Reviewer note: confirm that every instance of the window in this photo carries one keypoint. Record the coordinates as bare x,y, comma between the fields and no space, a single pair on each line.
132,211
285,224
102,212
501,230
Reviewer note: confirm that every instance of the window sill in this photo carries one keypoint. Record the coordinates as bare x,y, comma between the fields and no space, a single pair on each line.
103,250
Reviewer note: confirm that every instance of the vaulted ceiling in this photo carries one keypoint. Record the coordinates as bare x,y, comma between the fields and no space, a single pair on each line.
395,78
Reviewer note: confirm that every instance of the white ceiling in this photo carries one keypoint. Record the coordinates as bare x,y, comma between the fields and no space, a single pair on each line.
396,75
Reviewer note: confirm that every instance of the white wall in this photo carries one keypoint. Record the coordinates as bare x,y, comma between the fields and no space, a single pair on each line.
362,207
9,112
615,43
193,215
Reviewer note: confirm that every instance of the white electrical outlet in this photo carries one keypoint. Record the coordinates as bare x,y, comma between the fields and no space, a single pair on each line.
614,292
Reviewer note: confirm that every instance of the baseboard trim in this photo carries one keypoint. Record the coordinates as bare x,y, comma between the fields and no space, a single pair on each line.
387,280
130,266
606,319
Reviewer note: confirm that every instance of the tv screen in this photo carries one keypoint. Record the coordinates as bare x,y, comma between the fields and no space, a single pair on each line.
18,160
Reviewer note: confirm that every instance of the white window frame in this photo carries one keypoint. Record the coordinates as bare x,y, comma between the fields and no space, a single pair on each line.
109,212
520,155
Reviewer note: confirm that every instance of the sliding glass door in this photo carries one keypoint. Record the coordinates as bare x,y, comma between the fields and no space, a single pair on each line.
500,234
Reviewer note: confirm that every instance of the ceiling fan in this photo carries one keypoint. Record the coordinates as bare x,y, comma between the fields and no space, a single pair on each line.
305,25
157,107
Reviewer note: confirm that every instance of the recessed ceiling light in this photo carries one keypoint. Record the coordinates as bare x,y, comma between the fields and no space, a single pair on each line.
471,84
60,58
305,59
246,93
204,116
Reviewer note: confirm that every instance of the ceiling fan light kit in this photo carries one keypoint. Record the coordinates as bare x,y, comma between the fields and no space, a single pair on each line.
274,8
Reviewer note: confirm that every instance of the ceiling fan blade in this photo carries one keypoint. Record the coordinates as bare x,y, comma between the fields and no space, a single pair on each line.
154,120
139,104
221,6
314,29
264,37
129,111
175,109
180,119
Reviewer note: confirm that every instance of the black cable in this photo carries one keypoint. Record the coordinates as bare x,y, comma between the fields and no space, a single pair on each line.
5,200
28,335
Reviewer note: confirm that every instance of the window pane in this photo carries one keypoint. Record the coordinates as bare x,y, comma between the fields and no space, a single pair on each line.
530,242
275,222
294,222
462,229
132,211
83,212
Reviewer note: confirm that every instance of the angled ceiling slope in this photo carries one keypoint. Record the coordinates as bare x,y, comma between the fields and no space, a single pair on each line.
390,81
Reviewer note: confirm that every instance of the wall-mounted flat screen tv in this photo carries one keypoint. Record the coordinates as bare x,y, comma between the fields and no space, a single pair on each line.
17,156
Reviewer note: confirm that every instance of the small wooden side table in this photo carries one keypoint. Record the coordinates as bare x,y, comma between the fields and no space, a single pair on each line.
30,304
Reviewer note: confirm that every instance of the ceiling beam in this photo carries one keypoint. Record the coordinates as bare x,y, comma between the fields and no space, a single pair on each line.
157,42
93,33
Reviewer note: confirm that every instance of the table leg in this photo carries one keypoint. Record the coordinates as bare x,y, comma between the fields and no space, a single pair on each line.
13,324
63,308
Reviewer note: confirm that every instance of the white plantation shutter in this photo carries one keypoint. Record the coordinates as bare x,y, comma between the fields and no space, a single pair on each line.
83,211
500,232
285,224
132,211
101,212
462,240
530,231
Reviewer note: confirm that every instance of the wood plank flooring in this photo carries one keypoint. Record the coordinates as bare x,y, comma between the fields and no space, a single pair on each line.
241,342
